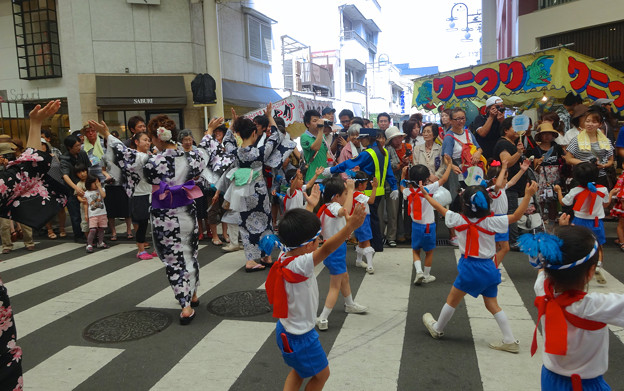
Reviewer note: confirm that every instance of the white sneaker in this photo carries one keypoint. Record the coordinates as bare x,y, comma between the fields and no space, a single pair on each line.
322,324
513,347
503,278
600,278
370,270
428,279
230,247
429,321
361,264
454,242
420,276
355,308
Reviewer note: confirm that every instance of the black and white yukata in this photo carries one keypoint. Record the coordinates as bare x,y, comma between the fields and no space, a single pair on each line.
247,191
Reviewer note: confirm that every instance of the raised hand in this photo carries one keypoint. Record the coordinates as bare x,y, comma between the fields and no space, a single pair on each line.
214,123
531,188
38,114
350,184
564,219
269,110
100,127
315,195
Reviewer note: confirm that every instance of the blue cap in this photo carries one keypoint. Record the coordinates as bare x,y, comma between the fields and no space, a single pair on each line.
328,110
368,132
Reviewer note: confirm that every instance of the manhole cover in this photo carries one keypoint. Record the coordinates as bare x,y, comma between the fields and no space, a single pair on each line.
241,304
127,326
443,242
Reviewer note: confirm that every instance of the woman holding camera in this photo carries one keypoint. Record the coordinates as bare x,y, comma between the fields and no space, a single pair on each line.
591,145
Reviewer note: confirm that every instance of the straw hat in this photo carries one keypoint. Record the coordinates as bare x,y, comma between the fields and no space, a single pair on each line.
393,132
579,110
6,148
545,127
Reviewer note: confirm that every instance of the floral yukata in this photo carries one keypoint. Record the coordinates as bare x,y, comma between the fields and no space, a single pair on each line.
22,179
174,226
247,191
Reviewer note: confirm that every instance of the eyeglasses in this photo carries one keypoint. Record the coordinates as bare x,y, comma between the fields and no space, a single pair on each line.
459,119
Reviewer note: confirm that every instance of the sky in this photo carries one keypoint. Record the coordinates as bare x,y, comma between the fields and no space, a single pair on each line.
413,31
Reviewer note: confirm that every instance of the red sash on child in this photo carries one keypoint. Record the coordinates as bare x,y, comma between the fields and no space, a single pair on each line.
324,211
493,195
582,197
355,195
288,197
276,288
556,329
472,236
414,203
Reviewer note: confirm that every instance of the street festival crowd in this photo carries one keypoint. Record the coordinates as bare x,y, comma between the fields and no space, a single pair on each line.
344,184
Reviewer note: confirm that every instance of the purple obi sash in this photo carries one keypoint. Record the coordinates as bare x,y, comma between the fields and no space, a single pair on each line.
170,197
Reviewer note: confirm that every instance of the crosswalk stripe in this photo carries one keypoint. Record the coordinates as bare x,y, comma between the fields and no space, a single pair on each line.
49,311
377,334
27,259
45,276
68,368
219,357
209,276
519,371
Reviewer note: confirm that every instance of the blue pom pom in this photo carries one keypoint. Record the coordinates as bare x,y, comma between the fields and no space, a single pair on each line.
592,187
321,187
550,248
528,244
350,173
278,178
268,243
480,201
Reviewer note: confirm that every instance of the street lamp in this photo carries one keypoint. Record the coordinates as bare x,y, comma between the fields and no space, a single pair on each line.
476,18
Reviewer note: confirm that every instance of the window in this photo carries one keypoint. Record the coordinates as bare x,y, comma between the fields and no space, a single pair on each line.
37,39
259,39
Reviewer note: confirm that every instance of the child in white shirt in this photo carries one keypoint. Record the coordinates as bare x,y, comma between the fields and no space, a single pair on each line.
296,196
478,274
589,201
338,200
95,212
574,322
293,291
423,218
364,234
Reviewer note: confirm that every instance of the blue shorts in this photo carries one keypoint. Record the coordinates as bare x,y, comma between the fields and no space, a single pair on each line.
598,231
502,237
555,382
421,239
336,262
364,232
477,276
308,357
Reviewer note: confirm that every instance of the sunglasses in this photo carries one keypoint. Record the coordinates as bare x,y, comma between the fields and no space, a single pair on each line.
459,119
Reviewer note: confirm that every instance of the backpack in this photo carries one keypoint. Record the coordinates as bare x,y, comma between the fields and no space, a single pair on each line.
203,87
468,149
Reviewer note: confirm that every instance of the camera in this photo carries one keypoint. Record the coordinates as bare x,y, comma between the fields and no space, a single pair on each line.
326,123
593,160
408,152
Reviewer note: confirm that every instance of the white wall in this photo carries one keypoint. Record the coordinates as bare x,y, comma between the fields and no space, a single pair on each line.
566,17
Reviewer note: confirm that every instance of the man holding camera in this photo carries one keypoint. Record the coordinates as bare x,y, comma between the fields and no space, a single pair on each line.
317,144
486,127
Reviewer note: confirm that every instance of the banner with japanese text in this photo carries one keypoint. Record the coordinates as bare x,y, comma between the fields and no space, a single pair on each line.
523,81
292,109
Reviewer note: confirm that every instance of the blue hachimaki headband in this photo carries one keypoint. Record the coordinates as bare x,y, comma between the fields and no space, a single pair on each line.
544,251
268,242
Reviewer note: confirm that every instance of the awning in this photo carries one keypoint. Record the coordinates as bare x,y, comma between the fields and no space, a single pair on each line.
248,95
140,90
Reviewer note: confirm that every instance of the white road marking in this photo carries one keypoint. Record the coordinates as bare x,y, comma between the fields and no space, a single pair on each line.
68,368
38,255
219,358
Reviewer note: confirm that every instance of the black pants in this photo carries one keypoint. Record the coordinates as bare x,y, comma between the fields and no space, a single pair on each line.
377,241
141,231
73,207
512,205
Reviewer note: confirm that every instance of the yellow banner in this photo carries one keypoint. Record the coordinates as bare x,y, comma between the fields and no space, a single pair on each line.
523,80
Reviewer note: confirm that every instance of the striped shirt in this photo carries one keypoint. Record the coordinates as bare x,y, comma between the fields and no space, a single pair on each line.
602,155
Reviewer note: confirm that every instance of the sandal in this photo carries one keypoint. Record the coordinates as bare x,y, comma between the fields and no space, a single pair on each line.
113,238
51,235
62,234
130,236
13,236
256,268
226,238
217,242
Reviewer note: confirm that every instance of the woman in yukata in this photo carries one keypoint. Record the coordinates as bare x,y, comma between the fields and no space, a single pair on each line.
172,173
247,191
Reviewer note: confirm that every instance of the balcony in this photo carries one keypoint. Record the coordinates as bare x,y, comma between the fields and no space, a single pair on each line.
314,75
551,3
357,87
349,35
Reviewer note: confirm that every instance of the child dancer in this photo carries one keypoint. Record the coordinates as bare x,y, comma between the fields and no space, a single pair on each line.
338,200
364,234
497,176
95,212
618,209
478,274
296,193
589,200
574,322
423,219
293,291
